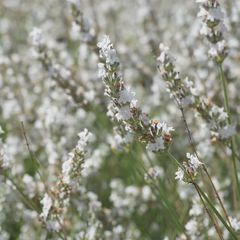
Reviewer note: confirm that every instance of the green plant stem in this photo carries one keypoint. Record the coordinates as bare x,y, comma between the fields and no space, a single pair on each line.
215,223
216,212
206,198
232,143
191,141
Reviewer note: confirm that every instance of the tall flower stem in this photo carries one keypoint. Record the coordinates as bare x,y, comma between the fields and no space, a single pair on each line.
191,142
230,230
203,202
227,109
215,223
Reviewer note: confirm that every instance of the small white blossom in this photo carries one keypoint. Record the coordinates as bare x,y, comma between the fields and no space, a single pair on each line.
111,56
104,43
163,52
179,175
47,204
165,128
101,70
66,168
193,161
84,137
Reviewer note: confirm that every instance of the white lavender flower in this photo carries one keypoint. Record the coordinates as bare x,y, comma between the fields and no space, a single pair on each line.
193,161
46,206
214,29
179,175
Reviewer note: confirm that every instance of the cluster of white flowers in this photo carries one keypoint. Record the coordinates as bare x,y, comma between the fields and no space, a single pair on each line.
189,169
219,123
46,206
124,106
71,168
187,95
55,204
214,28
77,200
169,74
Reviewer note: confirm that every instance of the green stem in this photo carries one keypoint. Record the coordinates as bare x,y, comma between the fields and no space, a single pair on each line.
229,120
215,223
176,161
216,212
206,198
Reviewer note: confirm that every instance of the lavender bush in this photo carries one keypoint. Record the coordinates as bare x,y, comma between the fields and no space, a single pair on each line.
119,120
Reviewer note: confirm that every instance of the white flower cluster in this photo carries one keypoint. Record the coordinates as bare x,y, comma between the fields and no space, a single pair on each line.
73,165
187,95
219,123
46,206
171,76
214,28
55,205
189,170
107,51
124,106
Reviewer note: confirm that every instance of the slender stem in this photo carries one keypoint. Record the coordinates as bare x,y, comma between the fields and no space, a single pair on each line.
206,198
215,223
217,195
191,141
216,212
227,109
175,160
